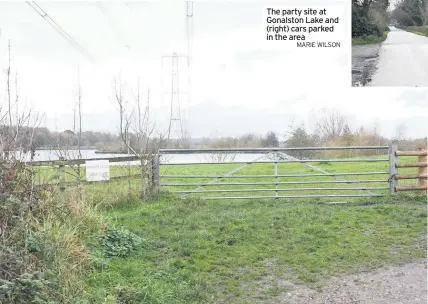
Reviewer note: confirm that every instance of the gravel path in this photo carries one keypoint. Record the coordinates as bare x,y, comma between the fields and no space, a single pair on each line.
405,284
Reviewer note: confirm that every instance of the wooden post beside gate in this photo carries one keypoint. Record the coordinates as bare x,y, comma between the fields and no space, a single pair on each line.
62,173
423,171
393,159
421,176
156,172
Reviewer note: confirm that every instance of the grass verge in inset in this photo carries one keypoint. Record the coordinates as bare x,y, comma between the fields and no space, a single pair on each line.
369,39
419,30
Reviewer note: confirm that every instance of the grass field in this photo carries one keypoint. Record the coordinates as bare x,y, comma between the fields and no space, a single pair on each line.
237,251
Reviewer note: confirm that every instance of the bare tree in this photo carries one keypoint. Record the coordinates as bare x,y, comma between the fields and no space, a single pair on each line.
79,136
220,157
79,109
17,127
185,140
65,144
400,131
222,143
135,124
331,124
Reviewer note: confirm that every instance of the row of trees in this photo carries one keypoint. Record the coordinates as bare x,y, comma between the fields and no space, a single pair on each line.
411,13
369,17
300,137
331,128
42,137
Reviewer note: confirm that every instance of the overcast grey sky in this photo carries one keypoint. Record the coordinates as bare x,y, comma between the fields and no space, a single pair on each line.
238,86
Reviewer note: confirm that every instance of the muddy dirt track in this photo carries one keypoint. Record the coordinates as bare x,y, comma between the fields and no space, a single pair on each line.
401,60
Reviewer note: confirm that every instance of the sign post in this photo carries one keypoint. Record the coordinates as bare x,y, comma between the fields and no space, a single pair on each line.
97,170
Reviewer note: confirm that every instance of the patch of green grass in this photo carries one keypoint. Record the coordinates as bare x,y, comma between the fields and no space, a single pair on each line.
419,30
200,251
369,39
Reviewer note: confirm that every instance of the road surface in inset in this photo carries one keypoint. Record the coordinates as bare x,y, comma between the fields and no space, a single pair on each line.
364,60
403,60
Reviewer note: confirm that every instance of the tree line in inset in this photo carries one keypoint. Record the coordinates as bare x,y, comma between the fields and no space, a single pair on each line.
371,17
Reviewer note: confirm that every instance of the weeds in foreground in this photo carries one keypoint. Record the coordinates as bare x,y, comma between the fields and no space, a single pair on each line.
197,251
44,253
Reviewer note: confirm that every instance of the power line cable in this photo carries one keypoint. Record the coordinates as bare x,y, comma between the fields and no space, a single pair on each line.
65,34
58,28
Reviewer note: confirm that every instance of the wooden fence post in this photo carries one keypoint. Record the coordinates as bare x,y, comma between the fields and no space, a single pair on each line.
422,170
156,172
62,173
276,175
421,164
393,159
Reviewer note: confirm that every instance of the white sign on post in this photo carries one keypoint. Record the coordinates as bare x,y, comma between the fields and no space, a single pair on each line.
97,170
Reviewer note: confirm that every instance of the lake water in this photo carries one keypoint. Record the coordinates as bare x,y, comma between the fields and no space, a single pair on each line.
52,155
43,155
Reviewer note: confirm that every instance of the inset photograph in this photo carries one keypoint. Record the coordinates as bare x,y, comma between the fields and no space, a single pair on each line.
390,43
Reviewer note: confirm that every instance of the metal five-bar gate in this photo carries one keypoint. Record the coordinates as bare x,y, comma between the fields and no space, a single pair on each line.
310,172
278,173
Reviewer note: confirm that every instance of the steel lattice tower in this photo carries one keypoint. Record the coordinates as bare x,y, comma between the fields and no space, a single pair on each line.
189,38
175,124
175,127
